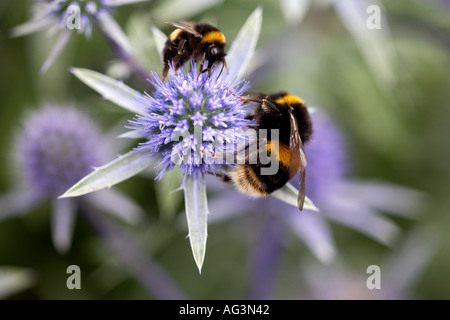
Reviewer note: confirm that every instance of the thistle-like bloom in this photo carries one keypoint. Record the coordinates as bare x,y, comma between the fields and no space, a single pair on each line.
366,23
57,147
190,119
185,122
70,16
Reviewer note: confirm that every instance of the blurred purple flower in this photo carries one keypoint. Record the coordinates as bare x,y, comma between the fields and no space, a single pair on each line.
68,16
56,147
327,158
353,204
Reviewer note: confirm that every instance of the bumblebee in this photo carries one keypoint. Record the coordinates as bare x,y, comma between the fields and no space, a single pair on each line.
199,41
289,115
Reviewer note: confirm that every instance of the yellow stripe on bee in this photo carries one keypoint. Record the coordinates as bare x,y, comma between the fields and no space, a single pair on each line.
213,36
246,181
290,100
281,151
175,33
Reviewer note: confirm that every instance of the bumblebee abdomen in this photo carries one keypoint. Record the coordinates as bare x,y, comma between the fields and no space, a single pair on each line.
280,151
259,180
249,180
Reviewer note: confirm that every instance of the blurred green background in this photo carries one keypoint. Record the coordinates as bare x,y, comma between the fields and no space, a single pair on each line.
398,132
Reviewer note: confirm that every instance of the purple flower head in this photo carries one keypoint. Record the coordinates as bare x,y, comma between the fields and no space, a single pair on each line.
66,17
71,14
57,147
327,157
190,119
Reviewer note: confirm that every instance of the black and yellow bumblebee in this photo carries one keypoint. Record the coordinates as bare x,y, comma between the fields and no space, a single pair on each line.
290,116
199,41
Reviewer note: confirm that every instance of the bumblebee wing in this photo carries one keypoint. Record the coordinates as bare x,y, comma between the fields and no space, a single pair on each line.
302,190
185,27
191,24
297,155
297,160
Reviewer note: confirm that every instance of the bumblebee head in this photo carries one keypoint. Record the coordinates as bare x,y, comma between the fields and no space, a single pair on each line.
215,53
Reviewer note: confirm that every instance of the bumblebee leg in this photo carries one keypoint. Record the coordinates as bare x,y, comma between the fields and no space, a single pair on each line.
180,48
223,177
165,71
176,60
202,60
241,97
226,179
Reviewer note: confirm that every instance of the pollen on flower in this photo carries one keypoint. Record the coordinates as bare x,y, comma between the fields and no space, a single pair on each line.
189,119
57,147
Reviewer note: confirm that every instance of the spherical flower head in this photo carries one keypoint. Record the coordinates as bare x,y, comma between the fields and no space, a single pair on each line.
327,157
73,14
191,119
57,147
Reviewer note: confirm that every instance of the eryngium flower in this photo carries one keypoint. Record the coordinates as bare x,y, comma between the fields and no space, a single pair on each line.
205,112
58,146
68,16
190,119
71,14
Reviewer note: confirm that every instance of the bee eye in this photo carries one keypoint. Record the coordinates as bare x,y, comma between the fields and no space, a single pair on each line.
214,51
